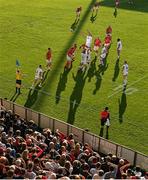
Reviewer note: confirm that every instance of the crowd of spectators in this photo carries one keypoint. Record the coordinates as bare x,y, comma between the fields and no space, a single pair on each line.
29,152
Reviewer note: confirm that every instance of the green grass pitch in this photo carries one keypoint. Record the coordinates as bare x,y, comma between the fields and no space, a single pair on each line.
28,28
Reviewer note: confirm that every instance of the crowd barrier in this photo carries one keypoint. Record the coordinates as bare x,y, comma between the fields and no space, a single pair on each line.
98,143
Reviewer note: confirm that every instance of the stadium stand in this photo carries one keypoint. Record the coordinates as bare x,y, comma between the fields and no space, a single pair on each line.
29,151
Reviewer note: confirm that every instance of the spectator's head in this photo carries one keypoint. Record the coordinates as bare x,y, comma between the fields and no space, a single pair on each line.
121,161
18,162
10,174
18,132
123,176
96,176
52,176
48,166
51,145
1,151
30,165
101,173
146,175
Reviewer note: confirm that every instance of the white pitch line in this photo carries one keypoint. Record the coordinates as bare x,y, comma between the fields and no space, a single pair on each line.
128,86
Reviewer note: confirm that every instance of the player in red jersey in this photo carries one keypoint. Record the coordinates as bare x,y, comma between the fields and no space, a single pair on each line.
109,30
97,45
70,56
107,42
48,59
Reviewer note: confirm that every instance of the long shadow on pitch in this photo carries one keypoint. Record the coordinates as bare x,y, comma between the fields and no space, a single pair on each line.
122,107
116,70
61,84
92,69
59,63
14,97
137,6
98,81
76,96
32,97
93,17
74,24
33,93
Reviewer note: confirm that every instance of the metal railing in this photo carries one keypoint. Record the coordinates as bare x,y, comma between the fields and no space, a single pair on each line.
98,143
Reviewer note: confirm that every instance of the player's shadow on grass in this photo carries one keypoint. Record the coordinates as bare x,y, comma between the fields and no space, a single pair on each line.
104,67
76,96
92,69
93,17
32,97
98,81
74,24
61,84
116,70
122,107
137,6
102,132
14,97
45,75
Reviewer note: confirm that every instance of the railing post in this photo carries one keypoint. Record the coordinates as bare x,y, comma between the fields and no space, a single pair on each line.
135,159
83,136
116,149
39,119
99,144
53,125
26,114
13,108
67,130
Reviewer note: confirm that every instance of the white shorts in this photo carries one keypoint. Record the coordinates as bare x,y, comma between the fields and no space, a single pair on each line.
37,78
103,55
69,58
88,44
48,61
96,48
107,44
125,73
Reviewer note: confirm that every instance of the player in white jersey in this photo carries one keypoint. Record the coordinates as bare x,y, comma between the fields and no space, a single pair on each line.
83,63
88,40
119,47
103,55
125,74
38,76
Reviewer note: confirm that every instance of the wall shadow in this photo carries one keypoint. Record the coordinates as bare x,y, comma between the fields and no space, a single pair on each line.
139,5
61,84
122,107
116,70
32,97
76,96
60,61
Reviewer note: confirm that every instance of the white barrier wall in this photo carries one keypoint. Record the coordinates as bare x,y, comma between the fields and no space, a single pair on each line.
142,161
98,144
